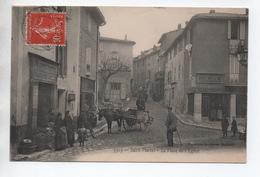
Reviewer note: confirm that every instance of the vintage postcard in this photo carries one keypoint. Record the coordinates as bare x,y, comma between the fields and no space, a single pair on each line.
128,84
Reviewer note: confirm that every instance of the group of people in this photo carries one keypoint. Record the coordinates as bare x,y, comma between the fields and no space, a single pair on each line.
225,125
64,131
171,124
65,128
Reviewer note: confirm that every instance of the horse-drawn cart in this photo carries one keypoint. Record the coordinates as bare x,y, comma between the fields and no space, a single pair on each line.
134,117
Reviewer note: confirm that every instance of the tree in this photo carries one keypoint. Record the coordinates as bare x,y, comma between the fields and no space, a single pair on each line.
108,67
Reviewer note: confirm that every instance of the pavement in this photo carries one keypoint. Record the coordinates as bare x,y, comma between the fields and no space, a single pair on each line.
205,123
98,130
193,137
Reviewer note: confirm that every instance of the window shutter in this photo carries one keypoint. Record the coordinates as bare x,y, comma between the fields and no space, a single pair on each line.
242,30
229,29
88,59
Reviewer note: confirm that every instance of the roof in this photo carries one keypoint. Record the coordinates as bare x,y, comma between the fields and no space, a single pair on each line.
148,52
167,35
97,14
219,15
214,15
117,40
169,38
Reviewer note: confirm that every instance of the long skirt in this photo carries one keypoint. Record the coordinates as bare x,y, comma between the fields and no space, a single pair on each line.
61,139
70,135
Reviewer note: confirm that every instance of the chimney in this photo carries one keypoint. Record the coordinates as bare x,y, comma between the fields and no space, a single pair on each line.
125,37
179,26
212,11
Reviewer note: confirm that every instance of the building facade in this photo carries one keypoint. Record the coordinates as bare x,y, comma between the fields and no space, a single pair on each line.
48,79
118,87
165,41
145,68
209,71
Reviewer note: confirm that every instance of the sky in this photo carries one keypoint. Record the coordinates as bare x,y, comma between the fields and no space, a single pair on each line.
145,25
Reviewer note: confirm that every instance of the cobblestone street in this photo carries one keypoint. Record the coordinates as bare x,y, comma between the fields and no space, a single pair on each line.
193,139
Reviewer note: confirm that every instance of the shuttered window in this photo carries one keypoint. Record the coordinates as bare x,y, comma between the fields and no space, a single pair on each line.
88,59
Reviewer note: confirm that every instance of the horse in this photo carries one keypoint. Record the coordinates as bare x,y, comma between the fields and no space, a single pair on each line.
110,116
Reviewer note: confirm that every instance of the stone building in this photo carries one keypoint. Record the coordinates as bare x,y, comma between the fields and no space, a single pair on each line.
165,41
50,78
209,66
118,87
145,67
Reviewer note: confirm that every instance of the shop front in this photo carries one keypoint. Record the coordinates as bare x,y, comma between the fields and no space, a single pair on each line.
43,90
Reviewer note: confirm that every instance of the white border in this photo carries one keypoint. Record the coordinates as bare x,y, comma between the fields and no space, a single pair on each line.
22,169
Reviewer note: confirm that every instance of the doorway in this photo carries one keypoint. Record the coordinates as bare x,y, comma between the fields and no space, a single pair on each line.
45,103
86,100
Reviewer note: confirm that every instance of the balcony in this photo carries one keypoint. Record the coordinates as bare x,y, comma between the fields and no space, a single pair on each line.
236,79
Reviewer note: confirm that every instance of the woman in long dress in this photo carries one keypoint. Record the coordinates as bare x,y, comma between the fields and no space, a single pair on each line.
60,133
69,128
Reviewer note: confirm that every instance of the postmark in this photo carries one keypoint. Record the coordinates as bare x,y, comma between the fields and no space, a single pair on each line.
45,28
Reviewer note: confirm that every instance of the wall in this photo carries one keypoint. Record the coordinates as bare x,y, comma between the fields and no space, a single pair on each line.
124,51
20,71
210,47
88,39
71,81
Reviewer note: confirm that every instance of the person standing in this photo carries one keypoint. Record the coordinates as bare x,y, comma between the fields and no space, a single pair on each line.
68,120
171,124
60,133
140,103
234,126
224,126
81,128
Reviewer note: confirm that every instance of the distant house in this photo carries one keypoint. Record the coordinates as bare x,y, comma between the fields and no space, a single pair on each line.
165,41
118,87
145,68
207,74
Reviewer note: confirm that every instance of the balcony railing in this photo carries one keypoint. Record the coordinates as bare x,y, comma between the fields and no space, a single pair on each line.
236,79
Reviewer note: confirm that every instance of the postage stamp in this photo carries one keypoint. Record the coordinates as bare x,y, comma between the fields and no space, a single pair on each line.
45,28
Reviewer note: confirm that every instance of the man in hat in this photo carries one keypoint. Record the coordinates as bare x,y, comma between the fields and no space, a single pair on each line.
171,124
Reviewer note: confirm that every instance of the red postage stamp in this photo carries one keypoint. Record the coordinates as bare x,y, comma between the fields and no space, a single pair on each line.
45,28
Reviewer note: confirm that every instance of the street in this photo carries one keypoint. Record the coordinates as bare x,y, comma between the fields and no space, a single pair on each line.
193,139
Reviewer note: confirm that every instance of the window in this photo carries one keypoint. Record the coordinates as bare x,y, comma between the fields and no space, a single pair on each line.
234,31
234,65
149,74
234,68
89,23
172,53
115,85
188,37
180,45
88,59
101,47
175,50
179,72
61,59
169,76
174,74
